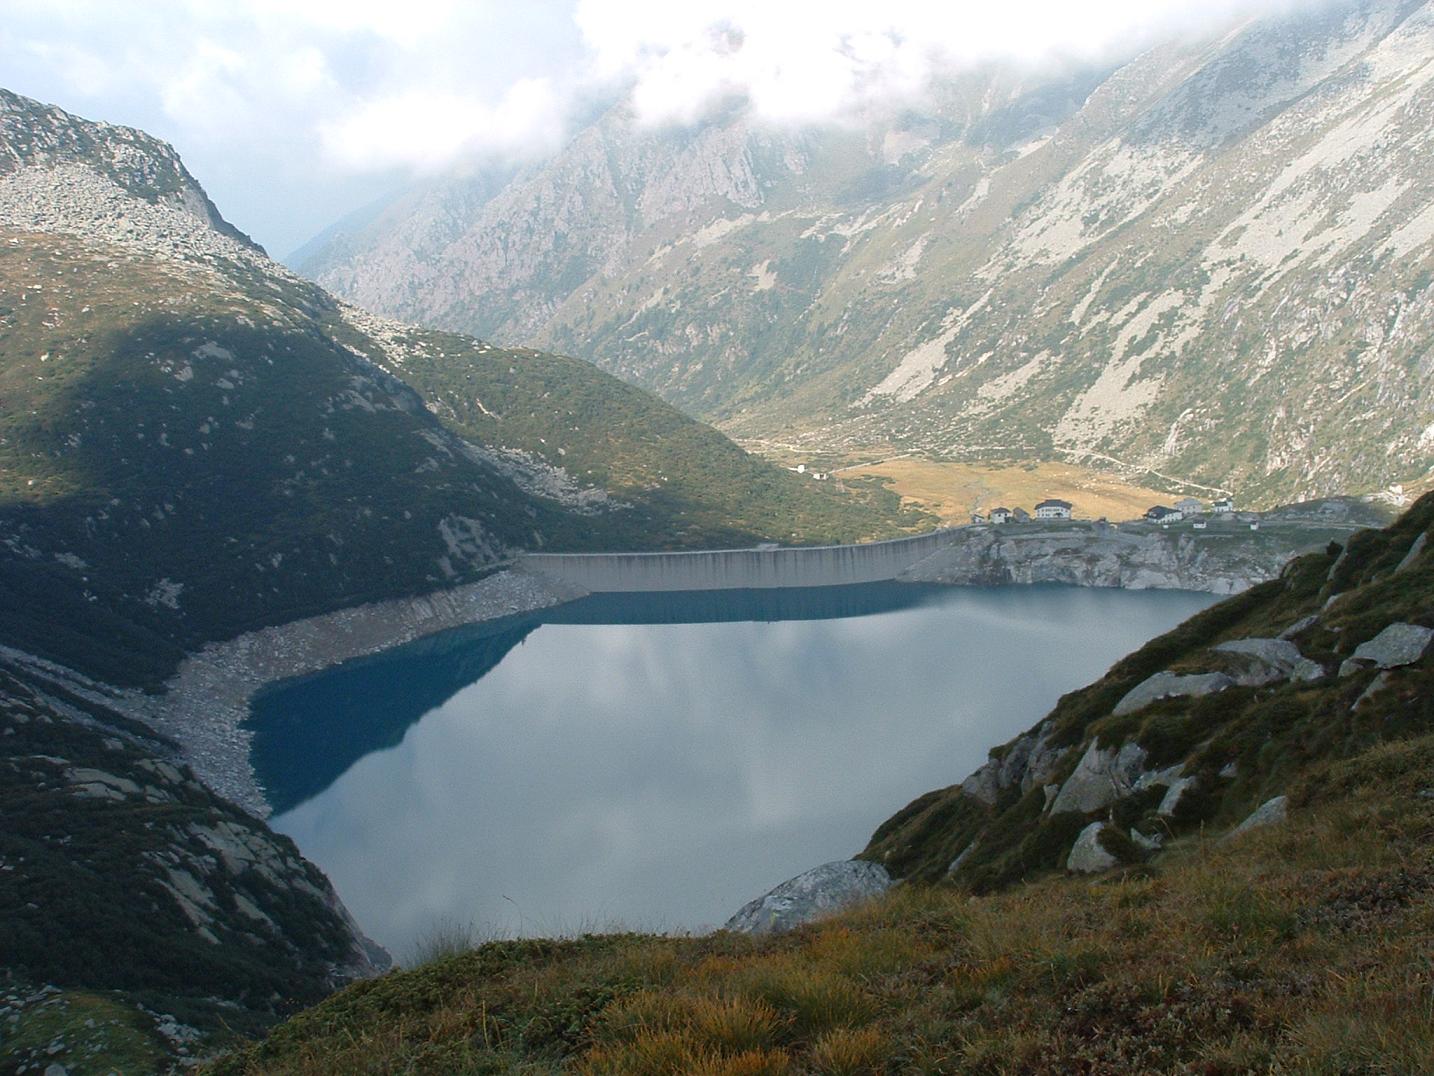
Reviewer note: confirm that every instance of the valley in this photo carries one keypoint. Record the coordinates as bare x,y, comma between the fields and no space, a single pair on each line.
558,575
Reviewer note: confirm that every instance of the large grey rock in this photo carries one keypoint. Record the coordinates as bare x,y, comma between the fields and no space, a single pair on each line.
1396,645
1166,685
820,892
1269,813
1087,855
1026,763
1101,777
1274,659
985,783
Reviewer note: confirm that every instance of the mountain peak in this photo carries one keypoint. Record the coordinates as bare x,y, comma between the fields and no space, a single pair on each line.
62,173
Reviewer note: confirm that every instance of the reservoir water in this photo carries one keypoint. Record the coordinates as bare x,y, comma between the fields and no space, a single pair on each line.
653,761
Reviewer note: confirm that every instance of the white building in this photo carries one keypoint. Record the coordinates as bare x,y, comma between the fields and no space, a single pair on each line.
1224,506
1054,509
1000,515
1164,514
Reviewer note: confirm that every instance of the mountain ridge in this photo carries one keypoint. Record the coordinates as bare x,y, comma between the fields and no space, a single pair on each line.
1248,209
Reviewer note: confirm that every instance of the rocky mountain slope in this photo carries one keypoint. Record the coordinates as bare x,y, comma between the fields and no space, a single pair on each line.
1029,268
195,443
121,872
1215,858
1199,726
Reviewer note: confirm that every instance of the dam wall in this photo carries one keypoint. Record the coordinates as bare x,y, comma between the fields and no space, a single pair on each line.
730,569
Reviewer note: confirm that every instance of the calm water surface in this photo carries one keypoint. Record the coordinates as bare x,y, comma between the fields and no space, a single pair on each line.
655,761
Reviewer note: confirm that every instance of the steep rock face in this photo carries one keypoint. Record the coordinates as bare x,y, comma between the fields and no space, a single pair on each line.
1092,554
1061,269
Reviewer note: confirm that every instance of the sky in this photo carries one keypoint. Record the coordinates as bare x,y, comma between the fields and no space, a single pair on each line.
293,113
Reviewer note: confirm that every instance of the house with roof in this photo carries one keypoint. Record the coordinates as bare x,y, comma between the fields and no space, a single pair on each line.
1020,515
1000,515
1224,506
1163,513
1054,508
1189,506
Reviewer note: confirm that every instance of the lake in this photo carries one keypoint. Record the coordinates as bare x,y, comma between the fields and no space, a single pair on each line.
654,761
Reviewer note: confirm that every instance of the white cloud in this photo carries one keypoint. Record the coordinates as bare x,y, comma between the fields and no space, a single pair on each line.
799,63
426,130
284,102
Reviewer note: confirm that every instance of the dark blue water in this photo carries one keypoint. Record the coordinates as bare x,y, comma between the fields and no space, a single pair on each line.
655,760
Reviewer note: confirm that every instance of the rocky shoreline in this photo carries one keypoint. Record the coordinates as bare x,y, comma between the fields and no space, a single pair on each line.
206,702
1219,561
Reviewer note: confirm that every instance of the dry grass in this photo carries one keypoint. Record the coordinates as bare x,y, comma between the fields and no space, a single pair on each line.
1307,948
952,491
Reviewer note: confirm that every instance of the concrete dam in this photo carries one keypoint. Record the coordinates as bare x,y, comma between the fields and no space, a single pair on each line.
731,569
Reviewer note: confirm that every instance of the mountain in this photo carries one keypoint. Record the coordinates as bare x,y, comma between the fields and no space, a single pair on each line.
1053,267
1215,858
195,443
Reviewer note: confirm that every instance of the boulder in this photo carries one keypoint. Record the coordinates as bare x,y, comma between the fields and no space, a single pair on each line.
1166,685
1100,778
985,783
820,892
1274,659
1269,813
1304,623
1088,856
1396,645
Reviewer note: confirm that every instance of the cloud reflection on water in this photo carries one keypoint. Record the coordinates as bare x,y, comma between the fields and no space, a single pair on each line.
659,775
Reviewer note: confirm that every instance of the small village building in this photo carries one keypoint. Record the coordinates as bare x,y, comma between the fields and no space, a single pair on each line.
1223,506
977,517
1189,506
1163,513
1054,509
1020,515
1000,515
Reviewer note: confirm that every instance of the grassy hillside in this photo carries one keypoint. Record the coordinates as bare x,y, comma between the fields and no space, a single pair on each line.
183,460
682,484
1295,947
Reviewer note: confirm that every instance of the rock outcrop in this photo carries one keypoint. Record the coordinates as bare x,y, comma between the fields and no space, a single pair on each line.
1169,685
1396,645
1088,855
1276,659
1270,813
818,892
1101,555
